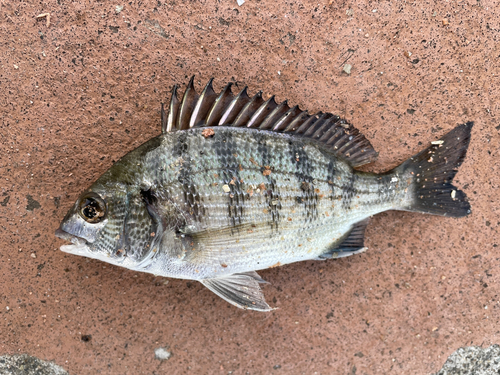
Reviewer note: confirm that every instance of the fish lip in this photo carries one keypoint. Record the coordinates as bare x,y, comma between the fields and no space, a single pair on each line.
70,238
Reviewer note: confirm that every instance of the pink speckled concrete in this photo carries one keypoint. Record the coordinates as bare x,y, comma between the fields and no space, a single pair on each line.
79,94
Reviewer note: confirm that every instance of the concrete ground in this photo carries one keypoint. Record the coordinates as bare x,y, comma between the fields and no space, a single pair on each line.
81,88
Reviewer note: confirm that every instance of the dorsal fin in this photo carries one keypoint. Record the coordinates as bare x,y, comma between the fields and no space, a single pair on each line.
169,123
249,110
220,105
234,107
187,106
205,102
226,109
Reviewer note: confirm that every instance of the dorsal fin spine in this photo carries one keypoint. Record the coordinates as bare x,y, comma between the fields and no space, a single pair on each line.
235,106
261,113
286,119
332,130
297,122
163,119
312,130
204,103
172,111
275,115
187,105
323,128
248,110
215,113
309,122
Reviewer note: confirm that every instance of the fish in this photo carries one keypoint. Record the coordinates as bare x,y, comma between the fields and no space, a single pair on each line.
236,184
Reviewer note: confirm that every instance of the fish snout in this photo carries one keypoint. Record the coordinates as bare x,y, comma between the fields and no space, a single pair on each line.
69,237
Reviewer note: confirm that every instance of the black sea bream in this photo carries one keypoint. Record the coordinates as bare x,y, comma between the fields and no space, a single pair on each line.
237,184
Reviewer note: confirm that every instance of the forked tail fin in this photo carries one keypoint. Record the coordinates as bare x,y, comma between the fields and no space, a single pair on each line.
433,171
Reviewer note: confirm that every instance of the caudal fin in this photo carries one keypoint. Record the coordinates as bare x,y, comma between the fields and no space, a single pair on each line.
433,171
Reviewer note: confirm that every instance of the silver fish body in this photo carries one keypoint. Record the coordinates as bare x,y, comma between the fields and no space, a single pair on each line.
215,202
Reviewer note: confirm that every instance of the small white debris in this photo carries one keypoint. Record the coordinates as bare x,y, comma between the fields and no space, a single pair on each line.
279,72
347,68
7,308
453,194
240,2
394,179
349,12
374,10
118,8
162,354
440,142
47,17
33,255
15,66
226,188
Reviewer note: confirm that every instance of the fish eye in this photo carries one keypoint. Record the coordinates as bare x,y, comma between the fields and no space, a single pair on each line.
92,208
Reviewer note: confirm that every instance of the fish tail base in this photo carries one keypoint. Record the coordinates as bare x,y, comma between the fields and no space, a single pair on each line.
433,171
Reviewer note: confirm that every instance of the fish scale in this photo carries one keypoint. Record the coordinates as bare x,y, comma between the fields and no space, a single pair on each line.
237,184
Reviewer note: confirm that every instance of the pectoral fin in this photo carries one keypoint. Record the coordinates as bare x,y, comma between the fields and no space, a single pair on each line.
241,290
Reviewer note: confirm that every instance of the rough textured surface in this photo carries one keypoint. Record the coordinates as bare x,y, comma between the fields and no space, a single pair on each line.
473,360
77,95
27,365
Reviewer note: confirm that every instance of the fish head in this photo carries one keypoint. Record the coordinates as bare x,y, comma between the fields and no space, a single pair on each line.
107,222
93,223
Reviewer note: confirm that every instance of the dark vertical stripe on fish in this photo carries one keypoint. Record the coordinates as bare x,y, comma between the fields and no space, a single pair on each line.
263,151
226,149
303,173
332,171
273,200
191,196
271,192
348,192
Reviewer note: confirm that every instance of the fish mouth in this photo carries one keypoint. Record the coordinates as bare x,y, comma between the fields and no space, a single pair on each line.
79,243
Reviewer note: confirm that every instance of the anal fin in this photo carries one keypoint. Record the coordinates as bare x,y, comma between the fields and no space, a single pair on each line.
240,289
354,243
